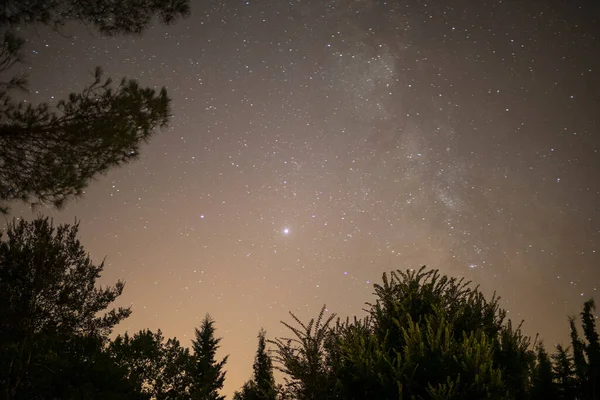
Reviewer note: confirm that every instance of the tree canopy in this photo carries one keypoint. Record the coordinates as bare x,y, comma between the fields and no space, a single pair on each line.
428,336
49,154
50,308
156,367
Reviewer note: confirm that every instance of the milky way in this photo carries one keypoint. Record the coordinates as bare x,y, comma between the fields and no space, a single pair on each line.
316,144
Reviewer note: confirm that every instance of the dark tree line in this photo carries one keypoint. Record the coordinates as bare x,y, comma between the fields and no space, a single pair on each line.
428,336
55,325
425,336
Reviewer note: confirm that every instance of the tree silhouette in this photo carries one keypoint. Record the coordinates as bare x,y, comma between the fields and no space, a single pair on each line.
564,374
426,336
303,357
74,368
262,385
155,366
263,370
579,361
48,155
109,17
50,307
592,349
206,374
543,387
585,359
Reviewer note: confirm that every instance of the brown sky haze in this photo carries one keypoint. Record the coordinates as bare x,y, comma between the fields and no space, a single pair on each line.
316,144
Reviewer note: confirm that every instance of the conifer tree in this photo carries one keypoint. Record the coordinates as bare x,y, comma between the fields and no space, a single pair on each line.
50,154
263,370
592,349
247,391
564,373
579,361
262,385
206,373
543,377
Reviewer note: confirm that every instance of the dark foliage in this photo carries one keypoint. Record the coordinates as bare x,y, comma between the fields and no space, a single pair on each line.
262,385
543,386
53,318
206,373
564,374
156,367
303,358
109,17
50,154
426,336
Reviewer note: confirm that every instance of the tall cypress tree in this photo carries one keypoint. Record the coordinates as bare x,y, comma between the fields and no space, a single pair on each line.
543,377
206,373
263,370
592,349
564,373
579,361
262,385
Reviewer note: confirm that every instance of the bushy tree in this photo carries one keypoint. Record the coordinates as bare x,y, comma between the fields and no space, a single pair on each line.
262,385
50,154
74,368
155,366
206,373
426,336
52,315
302,358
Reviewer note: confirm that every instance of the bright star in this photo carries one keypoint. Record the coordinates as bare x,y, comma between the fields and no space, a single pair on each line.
286,231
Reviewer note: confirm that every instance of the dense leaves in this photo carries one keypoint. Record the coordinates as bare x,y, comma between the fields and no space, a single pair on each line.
428,336
302,357
52,316
156,367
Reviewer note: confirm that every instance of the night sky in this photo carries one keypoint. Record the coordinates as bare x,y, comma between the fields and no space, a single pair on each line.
316,144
